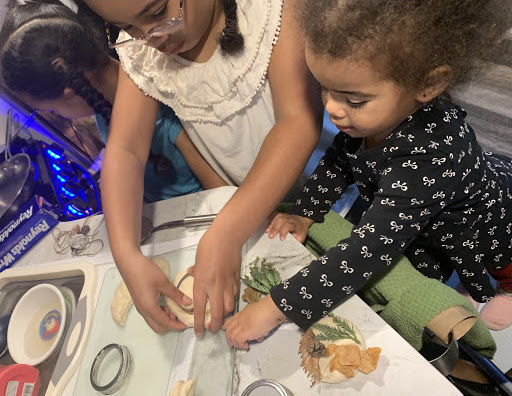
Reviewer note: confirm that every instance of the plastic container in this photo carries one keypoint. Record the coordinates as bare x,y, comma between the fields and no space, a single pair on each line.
37,324
19,380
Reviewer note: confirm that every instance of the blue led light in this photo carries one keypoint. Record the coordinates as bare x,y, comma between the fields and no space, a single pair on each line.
53,154
36,171
61,179
74,211
57,168
68,193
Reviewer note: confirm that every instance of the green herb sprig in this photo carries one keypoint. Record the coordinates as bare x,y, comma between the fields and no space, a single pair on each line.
340,332
263,277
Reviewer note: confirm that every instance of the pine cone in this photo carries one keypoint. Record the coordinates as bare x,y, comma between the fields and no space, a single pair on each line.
317,349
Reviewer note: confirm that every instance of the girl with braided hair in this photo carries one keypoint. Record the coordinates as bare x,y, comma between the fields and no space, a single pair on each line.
56,60
235,74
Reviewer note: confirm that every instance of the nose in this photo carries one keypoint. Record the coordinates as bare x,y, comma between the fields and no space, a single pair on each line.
335,110
156,41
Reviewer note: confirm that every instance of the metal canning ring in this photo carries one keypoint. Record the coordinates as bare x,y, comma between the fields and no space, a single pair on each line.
283,391
182,279
122,373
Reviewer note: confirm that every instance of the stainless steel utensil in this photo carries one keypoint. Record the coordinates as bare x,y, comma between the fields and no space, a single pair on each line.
442,356
17,180
191,221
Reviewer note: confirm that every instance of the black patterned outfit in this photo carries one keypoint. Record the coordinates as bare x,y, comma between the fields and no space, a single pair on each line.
433,195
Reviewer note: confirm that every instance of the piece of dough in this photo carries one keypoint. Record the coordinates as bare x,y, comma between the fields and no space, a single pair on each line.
186,313
122,300
335,377
184,388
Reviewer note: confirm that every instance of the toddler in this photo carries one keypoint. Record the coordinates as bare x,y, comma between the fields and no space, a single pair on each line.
431,192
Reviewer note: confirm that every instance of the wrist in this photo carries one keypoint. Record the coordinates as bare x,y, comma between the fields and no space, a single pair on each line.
126,256
225,235
277,314
308,221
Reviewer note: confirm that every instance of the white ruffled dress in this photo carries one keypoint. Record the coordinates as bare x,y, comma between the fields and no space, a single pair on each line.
225,104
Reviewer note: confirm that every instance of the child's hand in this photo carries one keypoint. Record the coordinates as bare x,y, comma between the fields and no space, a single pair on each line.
145,282
217,278
282,224
252,323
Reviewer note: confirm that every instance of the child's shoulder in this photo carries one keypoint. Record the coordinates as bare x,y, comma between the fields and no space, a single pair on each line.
437,135
439,126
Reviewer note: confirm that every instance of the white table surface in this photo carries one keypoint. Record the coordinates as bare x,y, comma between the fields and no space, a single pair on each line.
401,369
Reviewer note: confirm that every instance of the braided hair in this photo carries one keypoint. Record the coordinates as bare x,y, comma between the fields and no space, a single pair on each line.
45,48
231,41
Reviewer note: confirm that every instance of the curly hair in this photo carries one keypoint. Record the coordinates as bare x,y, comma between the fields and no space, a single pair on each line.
45,47
407,39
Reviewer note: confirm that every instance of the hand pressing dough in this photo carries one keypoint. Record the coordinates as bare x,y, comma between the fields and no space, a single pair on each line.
122,300
186,313
335,377
183,388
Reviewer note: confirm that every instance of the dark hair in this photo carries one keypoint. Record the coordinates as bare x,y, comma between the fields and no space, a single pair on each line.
231,41
45,47
407,38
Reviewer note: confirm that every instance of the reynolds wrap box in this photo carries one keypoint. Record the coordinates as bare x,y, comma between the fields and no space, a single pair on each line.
33,221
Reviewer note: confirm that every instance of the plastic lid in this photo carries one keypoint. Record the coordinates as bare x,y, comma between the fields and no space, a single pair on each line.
19,379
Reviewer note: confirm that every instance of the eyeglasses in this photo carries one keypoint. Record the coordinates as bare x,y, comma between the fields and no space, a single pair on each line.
163,29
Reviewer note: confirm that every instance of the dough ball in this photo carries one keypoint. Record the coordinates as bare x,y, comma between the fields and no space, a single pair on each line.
122,301
121,304
186,313
183,388
335,377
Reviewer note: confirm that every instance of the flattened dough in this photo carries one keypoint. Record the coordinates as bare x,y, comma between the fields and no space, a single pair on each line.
186,314
122,300
335,377
184,388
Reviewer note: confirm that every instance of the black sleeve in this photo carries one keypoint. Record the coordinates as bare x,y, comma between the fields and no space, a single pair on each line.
326,185
406,201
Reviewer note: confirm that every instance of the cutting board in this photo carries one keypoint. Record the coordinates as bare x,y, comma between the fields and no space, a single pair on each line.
158,360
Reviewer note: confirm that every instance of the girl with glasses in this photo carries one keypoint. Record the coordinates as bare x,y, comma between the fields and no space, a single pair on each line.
431,192
55,60
234,73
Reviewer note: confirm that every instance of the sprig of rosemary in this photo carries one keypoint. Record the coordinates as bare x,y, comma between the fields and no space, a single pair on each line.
340,332
263,278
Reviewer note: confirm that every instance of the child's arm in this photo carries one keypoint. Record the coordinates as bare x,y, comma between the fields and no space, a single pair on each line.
133,121
252,323
282,157
332,176
406,203
203,171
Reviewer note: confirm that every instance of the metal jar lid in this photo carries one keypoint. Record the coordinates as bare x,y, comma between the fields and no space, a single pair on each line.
281,390
122,373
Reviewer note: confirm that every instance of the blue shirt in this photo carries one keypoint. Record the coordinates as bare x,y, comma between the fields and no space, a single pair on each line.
180,180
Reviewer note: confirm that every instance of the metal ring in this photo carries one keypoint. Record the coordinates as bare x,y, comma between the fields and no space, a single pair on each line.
121,375
283,391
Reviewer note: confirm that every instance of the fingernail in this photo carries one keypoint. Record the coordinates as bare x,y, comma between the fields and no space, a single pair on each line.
199,334
186,299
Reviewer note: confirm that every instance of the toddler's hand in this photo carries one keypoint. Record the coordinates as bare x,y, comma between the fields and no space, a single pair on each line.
145,282
252,323
282,224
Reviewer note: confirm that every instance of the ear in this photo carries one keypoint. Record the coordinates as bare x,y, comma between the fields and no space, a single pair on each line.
435,84
68,93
